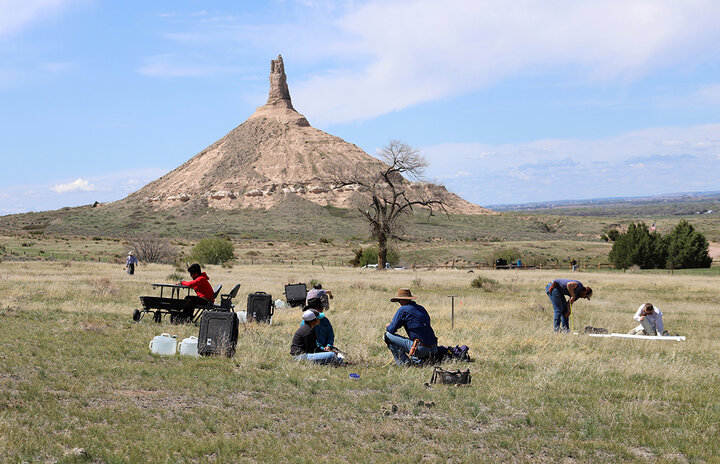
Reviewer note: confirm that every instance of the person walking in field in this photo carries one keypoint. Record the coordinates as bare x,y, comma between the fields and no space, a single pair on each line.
130,264
651,320
557,290
421,346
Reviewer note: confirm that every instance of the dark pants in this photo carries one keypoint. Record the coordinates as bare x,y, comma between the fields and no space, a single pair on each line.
130,269
560,309
192,302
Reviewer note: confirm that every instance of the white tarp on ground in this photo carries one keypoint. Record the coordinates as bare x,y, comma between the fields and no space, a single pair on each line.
678,338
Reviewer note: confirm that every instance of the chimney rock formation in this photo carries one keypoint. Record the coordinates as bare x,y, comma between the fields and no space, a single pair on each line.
279,105
273,156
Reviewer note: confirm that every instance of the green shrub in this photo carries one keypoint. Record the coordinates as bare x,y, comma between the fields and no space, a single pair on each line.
508,254
485,283
686,248
613,234
638,246
212,251
175,277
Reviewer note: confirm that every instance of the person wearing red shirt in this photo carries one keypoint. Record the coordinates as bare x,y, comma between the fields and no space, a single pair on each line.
204,292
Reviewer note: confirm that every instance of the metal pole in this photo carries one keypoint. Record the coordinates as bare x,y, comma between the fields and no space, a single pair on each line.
452,311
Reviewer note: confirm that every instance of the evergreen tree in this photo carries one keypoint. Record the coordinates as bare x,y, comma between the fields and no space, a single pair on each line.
638,246
686,248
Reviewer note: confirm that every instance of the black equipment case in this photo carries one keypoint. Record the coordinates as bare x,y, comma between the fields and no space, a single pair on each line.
295,294
260,307
218,333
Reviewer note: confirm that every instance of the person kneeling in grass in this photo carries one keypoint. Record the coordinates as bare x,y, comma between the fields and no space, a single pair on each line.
650,319
304,344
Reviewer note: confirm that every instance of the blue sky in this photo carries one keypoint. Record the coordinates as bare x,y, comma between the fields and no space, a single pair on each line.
511,102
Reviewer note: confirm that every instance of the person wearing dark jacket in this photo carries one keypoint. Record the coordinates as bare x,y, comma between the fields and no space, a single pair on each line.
204,293
304,346
421,346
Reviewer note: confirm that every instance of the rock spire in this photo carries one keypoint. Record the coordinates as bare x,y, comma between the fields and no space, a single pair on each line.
279,105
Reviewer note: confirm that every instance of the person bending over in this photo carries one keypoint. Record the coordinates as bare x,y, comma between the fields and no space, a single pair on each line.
304,346
204,294
318,292
557,290
421,346
651,320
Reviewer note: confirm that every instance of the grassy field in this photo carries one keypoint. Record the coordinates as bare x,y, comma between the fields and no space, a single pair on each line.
78,383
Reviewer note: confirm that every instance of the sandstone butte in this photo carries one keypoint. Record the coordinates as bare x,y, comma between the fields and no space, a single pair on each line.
270,158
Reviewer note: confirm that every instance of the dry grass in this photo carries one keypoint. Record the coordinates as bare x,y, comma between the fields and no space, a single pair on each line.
77,382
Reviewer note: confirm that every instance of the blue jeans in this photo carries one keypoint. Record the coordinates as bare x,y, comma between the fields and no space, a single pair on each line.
400,347
325,357
560,307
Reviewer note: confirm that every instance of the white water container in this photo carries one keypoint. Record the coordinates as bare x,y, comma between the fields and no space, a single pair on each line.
164,345
279,304
189,346
242,316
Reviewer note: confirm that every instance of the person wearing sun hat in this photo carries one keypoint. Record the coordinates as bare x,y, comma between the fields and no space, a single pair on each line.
304,346
421,345
131,262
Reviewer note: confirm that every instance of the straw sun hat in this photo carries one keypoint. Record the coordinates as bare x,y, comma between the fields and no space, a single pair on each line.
403,294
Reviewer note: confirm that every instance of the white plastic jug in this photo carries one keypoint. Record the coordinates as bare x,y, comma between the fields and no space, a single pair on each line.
242,316
189,346
163,344
279,304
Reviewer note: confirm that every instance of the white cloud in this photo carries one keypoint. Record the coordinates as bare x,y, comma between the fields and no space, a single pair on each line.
16,15
635,163
381,56
114,186
79,184
423,50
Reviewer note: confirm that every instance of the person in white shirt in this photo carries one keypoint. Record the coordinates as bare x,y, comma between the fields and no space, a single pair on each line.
651,320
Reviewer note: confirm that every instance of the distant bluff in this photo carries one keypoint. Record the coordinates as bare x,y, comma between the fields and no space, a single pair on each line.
270,158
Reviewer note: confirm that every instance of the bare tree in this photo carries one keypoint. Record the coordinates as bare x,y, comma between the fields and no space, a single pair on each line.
153,250
392,195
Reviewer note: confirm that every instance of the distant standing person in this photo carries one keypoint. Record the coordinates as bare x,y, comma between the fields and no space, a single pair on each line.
557,290
318,292
130,264
651,320
574,265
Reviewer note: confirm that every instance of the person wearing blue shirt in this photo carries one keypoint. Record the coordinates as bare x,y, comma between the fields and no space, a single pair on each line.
557,290
421,346
131,262
324,333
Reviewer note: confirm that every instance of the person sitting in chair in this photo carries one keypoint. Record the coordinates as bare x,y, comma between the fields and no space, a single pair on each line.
204,292
650,319
422,344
